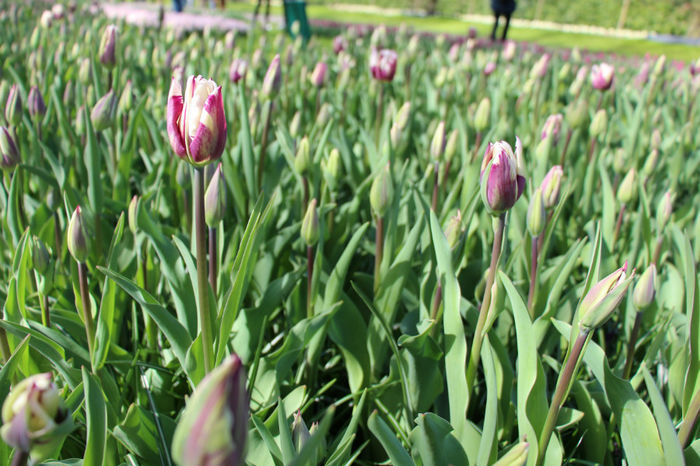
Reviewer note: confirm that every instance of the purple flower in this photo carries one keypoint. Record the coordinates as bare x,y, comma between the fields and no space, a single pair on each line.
238,69
382,64
502,176
318,76
339,44
552,126
602,76
489,68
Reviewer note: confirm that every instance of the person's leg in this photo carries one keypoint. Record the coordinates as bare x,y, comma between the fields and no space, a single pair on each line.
495,26
505,29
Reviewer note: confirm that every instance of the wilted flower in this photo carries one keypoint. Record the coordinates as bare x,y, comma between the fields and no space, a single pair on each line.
8,150
551,185
645,289
502,177
309,226
273,79
196,124
214,425
238,69
602,76
552,126
382,64
318,76
35,418
108,47
603,298
76,237
215,199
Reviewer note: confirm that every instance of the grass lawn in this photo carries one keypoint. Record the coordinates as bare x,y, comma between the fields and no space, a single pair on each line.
456,26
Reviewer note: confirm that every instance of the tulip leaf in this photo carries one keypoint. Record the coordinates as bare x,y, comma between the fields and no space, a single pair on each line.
96,420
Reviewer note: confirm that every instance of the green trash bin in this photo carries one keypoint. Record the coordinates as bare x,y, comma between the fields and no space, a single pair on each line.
295,11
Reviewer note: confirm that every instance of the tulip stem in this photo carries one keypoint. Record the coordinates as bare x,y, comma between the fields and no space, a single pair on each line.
569,134
151,332
379,241
631,344
213,259
657,250
691,417
310,271
202,283
87,311
477,144
45,316
57,235
498,230
305,186
4,346
436,186
378,118
565,378
437,301
263,145
618,225
533,277
20,458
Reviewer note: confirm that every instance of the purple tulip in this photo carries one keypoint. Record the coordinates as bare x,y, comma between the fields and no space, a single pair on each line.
318,76
108,47
35,103
489,68
9,154
339,44
502,176
602,76
238,69
382,64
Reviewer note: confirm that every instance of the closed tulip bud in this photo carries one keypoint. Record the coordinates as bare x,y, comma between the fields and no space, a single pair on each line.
664,210
302,160
602,76
41,259
564,71
552,127
79,122
126,101
300,433
508,52
273,79
650,163
108,47
35,418
309,226
295,124
381,194
214,425
655,139
437,146
132,214
238,70
660,65
441,77
539,69
402,116
331,167
489,68
35,103
600,123
76,237
102,115
215,199
516,456
483,115
551,186
451,145
603,298
620,160
318,76
196,122
627,192
324,115
68,95
645,289
13,107
46,19
395,135
382,64
502,177
577,113
339,44
8,150
84,72
536,214
454,230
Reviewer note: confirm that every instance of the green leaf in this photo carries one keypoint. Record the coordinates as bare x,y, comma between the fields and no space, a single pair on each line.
433,441
96,420
489,441
669,439
397,454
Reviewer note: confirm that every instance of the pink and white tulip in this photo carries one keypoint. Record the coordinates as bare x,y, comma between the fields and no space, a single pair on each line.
382,64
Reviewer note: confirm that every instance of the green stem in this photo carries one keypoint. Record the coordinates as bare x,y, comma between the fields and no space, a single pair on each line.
87,311
45,314
618,225
563,384
436,186
691,417
657,250
310,272
378,117
631,345
202,283
499,228
263,145
379,242
213,259
533,277
4,346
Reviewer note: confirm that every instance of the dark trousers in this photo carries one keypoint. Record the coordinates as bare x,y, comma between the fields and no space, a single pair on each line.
495,25
177,5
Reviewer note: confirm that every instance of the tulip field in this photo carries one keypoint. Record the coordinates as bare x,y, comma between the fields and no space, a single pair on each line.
372,247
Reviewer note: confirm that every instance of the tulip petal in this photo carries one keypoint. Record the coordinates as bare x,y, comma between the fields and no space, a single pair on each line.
174,114
210,138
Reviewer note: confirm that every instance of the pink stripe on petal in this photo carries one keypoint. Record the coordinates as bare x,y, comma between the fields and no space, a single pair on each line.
174,113
219,122
202,145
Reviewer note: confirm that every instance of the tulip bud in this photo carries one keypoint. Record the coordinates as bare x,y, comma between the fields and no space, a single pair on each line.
381,194
502,177
660,65
516,456
645,290
46,19
295,124
300,433
318,76
13,108
627,192
395,135
437,146
664,210
302,161
76,237
602,76
451,145
324,114
551,186
40,256
577,113
126,101
309,226
331,167
489,68
84,72
552,127
454,230
238,70
108,47
132,214
539,69
8,150
600,123
536,214
382,64
402,116
650,163
102,115
68,94
603,298
35,418
273,79
215,199
482,115
35,103
214,425
339,44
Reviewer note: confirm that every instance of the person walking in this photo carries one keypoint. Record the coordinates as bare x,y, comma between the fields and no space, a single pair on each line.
502,8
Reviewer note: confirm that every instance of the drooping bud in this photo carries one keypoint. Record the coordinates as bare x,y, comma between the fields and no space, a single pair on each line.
603,298
437,146
214,425
35,418
502,177
76,237
302,160
35,103
8,150
273,79
102,115
516,456
627,192
536,214
454,230
600,123
215,199
41,259
602,76
645,289
664,210
309,226
108,47
13,107
551,186
381,194
482,115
